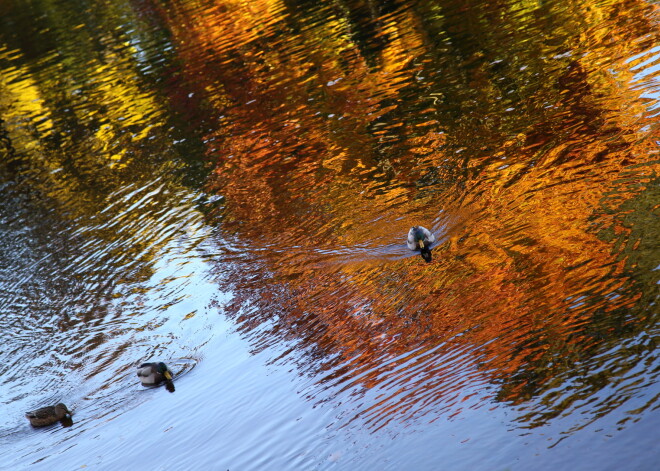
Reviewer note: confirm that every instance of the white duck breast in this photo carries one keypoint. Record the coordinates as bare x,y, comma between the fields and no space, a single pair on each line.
147,375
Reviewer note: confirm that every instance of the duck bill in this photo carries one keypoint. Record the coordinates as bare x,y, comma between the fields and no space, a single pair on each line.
421,244
168,376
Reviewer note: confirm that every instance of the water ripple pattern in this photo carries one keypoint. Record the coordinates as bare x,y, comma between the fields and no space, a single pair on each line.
227,186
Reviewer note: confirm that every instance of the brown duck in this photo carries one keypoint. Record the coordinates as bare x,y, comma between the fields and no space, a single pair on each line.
48,415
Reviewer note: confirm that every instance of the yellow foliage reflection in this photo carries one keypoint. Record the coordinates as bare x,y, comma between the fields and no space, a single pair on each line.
321,163
523,133
318,159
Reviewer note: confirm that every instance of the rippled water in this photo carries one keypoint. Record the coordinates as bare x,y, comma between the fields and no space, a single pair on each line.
227,187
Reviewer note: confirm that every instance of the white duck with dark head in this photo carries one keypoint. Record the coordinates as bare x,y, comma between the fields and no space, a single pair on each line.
420,238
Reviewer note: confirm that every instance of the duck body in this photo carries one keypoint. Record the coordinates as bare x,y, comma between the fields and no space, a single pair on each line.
420,238
153,374
48,415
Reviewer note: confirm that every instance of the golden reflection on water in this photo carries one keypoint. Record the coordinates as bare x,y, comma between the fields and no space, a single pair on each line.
519,157
89,223
525,136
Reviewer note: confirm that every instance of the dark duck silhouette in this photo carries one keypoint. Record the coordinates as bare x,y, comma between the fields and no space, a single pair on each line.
49,415
420,238
153,374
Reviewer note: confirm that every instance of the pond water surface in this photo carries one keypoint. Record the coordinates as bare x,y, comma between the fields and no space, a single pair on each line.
227,186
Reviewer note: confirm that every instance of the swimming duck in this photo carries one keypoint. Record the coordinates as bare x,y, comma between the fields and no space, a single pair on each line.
420,238
48,415
152,374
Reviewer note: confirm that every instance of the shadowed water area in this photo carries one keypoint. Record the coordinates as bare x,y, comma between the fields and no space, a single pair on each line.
227,187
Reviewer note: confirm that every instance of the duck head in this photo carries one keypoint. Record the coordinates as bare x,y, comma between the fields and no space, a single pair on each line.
167,374
62,412
425,249
162,369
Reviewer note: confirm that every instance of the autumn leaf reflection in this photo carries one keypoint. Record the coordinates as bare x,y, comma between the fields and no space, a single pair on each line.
522,130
